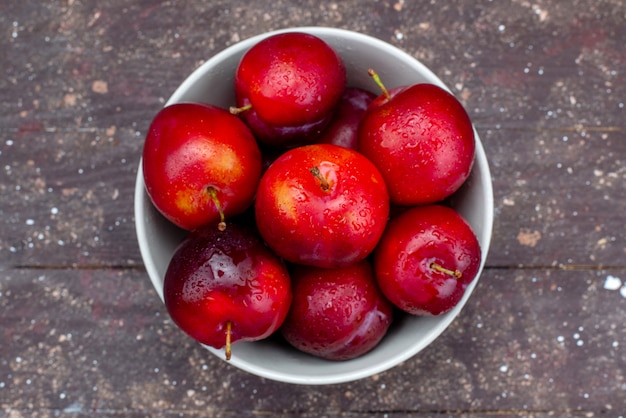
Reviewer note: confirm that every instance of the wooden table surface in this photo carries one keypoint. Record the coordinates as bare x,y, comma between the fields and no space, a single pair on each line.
84,334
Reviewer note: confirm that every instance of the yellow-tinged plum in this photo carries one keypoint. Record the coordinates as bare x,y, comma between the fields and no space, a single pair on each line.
201,164
322,205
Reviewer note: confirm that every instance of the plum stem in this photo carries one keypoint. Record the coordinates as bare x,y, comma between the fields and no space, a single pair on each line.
378,82
213,195
318,175
237,110
440,268
228,344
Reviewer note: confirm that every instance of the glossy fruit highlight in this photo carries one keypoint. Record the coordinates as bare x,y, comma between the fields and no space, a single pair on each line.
222,287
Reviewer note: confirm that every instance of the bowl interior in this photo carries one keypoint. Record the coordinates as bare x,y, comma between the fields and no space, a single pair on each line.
212,83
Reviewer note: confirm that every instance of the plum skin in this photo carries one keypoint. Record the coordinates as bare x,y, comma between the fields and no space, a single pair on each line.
404,258
336,314
306,224
290,84
191,147
422,141
291,79
219,276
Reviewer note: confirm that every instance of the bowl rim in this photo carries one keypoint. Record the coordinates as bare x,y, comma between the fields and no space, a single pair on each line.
443,320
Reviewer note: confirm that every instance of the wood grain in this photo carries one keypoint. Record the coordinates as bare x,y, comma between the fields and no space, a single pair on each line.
84,334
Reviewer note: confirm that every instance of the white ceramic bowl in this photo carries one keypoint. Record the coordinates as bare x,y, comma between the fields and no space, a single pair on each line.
212,82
